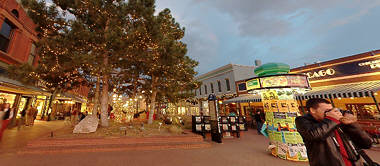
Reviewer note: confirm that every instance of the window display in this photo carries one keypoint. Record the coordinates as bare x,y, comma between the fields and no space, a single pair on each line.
364,111
7,98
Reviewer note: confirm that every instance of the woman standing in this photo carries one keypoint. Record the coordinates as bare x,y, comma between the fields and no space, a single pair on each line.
6,115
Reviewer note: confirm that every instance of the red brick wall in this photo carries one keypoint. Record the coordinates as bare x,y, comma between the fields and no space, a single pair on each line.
22,37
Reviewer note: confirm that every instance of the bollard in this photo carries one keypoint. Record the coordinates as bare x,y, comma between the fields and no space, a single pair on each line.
51,134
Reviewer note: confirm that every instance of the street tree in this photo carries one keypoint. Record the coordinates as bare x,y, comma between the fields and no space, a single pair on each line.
167,69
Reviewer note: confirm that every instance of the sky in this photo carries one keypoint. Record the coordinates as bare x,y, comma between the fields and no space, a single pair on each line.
219,32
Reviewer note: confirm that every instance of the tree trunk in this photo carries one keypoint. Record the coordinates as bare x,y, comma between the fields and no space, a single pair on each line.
104,99
152,99
97,92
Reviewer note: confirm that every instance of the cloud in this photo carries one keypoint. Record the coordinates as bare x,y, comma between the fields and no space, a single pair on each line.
364,9
267,18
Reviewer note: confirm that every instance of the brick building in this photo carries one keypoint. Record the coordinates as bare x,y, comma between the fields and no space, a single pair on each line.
17,46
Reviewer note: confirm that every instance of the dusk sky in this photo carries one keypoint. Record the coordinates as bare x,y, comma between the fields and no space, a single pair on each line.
219,32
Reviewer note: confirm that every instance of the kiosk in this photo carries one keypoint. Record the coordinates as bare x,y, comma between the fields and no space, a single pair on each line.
277,89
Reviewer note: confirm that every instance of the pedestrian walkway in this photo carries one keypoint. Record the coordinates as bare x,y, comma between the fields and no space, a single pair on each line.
15,139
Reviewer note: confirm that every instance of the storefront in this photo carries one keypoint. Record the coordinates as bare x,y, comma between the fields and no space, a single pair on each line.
21,96
351,83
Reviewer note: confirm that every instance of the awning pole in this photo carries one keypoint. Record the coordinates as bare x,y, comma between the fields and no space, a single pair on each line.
374,99
303,109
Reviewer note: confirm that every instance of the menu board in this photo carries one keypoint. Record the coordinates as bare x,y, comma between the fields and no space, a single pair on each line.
253,84
297,81
278,81
274,81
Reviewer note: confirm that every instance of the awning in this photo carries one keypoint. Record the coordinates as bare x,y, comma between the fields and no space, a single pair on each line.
14,86
362,89
244,99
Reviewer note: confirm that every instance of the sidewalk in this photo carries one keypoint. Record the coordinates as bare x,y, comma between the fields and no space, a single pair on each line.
15,139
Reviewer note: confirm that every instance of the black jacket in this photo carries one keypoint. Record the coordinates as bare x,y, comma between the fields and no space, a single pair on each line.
322,149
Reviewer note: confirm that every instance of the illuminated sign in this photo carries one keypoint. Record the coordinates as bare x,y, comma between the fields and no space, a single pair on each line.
368,65
321,73
278,81
253,84
373,64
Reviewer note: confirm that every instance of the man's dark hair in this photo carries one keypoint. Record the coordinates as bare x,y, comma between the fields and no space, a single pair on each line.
313,103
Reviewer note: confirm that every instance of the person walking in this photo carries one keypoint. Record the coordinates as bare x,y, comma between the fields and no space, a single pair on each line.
259,121
6,116
34,115
330,137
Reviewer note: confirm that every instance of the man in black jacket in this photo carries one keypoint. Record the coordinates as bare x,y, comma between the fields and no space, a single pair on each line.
330,137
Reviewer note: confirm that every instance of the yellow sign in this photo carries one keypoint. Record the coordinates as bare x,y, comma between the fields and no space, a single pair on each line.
253,84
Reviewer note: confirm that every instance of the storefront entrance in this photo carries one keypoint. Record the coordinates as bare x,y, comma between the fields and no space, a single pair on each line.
365,111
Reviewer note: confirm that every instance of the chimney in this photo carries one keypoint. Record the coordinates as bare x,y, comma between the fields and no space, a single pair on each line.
257,63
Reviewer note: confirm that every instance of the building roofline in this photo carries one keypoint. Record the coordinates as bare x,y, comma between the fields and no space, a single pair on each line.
329,62
218,70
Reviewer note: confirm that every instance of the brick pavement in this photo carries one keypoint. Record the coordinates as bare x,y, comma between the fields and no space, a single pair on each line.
248,150
15,139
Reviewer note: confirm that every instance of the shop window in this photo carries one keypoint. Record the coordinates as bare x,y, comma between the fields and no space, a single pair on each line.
364,111
242,87
7,98
219,87
5,35
205,89
228,84
212,87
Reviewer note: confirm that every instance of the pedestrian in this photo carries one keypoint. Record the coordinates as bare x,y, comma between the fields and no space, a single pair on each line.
75,116
67,117
259,121
23,116
34,115
331,138
29,116
6,116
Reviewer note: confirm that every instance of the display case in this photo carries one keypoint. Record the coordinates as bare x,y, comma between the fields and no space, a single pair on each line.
197,124
201,124
242,123
224,124
206,124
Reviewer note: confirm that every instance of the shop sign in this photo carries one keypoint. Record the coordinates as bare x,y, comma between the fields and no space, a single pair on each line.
321,73
278,81
346,69
253,84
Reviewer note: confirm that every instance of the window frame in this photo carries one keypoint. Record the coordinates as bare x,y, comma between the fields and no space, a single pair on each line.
228,86
219,86
5,38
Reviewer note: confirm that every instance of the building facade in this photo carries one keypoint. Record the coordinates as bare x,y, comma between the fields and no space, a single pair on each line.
221,83
351,83
17,46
